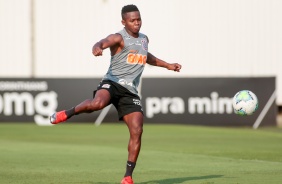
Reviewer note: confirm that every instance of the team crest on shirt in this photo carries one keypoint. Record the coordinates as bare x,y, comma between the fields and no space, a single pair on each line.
144,44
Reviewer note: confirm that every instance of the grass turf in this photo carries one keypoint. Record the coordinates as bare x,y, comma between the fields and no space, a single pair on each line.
170,154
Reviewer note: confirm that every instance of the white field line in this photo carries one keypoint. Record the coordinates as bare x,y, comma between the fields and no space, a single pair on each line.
102,115
265,110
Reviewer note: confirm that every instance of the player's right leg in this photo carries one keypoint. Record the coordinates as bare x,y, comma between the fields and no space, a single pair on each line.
102,99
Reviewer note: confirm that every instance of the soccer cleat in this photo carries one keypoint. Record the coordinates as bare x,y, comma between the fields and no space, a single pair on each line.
127,180
58,117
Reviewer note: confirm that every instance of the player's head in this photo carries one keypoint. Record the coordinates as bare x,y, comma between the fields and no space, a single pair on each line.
131,18
128,8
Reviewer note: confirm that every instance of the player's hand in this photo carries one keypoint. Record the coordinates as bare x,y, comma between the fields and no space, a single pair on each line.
97,51
174,66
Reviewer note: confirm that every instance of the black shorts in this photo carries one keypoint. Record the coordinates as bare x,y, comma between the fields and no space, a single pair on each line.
124,101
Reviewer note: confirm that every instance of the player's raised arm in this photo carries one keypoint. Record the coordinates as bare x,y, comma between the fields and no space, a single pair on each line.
152,60
113,41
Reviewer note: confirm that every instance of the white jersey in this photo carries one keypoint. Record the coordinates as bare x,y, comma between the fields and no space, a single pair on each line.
127,66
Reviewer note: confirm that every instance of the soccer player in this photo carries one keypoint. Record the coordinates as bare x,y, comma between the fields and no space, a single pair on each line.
129,54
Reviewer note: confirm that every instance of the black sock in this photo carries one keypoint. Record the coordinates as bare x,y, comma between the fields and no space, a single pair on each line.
70,112
129,168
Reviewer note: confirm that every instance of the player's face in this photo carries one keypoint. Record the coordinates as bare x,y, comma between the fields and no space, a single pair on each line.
132,22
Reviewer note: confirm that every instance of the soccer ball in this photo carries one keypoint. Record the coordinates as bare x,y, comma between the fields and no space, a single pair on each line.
245,102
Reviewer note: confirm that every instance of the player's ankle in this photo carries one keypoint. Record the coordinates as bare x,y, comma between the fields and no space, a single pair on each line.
70,112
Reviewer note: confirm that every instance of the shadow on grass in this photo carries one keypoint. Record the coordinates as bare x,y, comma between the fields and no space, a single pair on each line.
180,180
175,180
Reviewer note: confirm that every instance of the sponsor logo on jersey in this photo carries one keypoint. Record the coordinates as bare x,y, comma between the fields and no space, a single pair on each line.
125,82
134,58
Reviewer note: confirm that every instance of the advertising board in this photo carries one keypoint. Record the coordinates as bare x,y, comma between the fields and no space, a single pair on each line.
197,101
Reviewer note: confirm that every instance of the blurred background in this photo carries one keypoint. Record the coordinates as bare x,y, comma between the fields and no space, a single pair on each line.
210,38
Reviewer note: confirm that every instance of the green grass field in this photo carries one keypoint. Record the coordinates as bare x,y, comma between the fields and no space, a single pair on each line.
73,153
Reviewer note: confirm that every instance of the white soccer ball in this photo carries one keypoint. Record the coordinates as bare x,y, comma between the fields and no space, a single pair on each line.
245,102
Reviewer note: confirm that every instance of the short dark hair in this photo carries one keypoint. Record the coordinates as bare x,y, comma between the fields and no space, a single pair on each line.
128,8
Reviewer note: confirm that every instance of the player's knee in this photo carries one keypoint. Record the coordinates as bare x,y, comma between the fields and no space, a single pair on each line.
137,131
97,105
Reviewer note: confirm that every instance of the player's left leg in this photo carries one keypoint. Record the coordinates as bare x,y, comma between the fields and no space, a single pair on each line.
134,122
